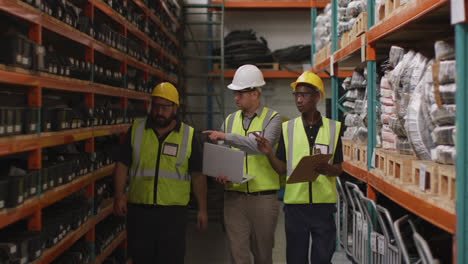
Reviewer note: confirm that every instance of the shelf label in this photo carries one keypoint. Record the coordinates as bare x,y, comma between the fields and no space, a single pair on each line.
2,130
2,204
422,176
33,127
20,199
17,128
373,241
9,129
13,249
381,244
33,190
332,61
24,260
363,48
373,158
457,10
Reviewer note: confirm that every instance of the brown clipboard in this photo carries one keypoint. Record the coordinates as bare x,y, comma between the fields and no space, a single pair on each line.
305,170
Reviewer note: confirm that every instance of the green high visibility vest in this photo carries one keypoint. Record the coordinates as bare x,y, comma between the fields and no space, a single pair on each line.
323,189
256,165
172,155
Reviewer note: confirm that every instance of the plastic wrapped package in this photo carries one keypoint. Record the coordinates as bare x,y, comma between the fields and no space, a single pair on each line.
443,135
396,125
358,80
444,115
444,154
419,65
350,120
327,8
418,125
349,105
343,3
403,145
386,101
396,55
388,145
447,71
395,77
355,8
346,83
454,136
320,31
446,93
386,93
385,118
384,83
444,50
349,133
361,134
360,106
387,134
341,12
386,109
352,95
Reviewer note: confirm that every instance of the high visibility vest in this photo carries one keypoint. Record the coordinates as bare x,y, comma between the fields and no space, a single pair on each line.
171,156
323,189
256,165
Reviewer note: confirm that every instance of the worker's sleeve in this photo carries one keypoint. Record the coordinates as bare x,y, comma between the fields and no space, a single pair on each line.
249,144
195,159
124,152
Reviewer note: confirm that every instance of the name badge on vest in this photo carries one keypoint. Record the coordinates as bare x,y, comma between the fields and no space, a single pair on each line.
170,149
251,134
320,149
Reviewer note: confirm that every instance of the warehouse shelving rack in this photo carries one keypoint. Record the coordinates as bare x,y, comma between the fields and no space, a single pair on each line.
37,82
374,44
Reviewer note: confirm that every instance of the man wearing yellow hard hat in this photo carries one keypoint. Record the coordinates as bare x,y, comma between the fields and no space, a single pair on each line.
309,206
162,161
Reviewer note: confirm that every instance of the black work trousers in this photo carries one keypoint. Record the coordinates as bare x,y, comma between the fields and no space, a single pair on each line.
156,234
303,221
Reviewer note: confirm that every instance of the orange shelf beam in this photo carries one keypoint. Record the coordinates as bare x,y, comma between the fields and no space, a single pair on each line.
52,253
11,215
65,30
323,65
111,130
20,10
355,171
423,208
347,51
412,12
30,78
273,4
103,172
113,245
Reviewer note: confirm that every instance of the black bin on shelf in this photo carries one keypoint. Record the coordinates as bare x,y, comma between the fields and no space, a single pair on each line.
3,192
15,191
18,120
46,120
3,122
30,120
44,179
61,119
33,178
9,121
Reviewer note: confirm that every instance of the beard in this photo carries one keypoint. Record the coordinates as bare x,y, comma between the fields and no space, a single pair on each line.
161,121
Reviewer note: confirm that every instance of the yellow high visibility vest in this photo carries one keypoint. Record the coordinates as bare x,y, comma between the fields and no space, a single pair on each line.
323,189
256,165
173,186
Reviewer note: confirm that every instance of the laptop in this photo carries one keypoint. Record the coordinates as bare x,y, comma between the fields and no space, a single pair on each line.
222,160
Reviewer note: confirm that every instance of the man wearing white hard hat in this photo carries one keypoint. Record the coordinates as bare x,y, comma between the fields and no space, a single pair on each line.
251,208
308,206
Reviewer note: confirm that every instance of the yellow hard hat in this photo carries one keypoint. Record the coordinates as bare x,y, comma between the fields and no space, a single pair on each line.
167,91
312,79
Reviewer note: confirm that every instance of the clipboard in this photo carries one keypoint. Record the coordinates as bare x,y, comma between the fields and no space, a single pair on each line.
305,170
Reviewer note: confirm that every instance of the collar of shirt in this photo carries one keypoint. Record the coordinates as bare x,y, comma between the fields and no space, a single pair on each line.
258,112
150,124
319,122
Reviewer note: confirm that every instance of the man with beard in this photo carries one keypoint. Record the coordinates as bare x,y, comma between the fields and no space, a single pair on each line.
250,209
161,157
309,206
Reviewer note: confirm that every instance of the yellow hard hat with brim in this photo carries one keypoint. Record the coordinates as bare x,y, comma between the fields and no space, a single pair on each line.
312,79
167,91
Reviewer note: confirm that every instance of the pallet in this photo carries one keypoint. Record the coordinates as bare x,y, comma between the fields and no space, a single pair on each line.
360,25
272,66
349,150
345,38
431,177
380,162
322,54
361,156
447,175
399,166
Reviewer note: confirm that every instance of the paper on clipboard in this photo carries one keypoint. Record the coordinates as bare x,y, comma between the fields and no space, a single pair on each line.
306,169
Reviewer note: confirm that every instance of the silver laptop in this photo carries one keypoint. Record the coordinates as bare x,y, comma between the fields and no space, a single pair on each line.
221,160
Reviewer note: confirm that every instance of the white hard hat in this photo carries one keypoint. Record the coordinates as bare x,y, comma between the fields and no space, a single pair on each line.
247,76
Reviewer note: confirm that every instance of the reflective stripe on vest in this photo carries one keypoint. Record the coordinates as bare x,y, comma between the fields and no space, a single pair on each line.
297,146
162,174
256,165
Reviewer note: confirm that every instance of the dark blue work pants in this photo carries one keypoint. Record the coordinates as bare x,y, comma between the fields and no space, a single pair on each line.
303,221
